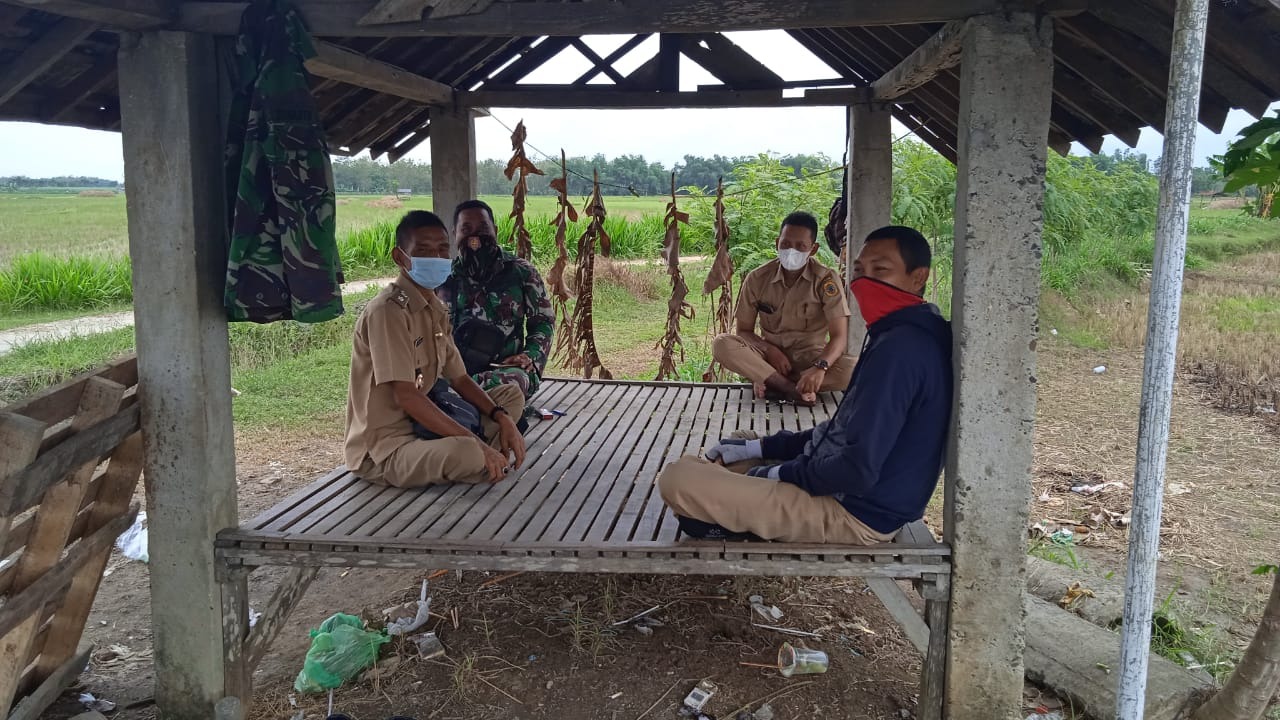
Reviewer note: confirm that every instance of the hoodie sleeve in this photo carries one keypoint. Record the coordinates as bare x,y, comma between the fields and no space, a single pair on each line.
886,388
784,445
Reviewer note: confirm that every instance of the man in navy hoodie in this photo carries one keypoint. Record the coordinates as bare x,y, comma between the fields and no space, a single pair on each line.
859,477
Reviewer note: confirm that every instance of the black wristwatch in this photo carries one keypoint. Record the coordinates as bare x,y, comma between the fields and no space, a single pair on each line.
822,364
493,414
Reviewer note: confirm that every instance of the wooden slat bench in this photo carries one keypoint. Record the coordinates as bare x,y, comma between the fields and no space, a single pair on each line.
585,501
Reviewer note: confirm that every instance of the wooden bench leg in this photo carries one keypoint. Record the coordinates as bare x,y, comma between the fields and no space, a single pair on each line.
895,600
237,674
937,594
287,594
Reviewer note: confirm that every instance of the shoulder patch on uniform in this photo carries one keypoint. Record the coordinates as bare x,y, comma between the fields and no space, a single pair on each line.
829,288
399,296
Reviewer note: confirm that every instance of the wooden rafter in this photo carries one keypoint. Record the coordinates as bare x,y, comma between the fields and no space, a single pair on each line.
93,80
61,39
127,14
728,62
325,17
1109,80
526,96
939,52
598,63
338,63
612,58
398,11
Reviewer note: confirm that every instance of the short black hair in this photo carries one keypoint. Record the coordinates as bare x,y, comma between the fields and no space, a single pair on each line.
912,246
802,219
473,205
415,220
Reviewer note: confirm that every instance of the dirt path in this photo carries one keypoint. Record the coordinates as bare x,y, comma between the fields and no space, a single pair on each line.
94,324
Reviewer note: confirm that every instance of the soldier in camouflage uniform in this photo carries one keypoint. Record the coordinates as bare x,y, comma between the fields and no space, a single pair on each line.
283,261
491,284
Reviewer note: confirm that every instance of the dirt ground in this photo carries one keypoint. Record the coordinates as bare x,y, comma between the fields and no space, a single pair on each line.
544,646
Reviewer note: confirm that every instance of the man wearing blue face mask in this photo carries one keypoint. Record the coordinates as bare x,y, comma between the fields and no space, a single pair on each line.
397,434
801,347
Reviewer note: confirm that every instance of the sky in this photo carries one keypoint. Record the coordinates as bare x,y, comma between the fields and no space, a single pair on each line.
660,135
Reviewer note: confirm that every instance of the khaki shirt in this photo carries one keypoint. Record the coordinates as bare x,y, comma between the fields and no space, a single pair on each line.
399,333
796,317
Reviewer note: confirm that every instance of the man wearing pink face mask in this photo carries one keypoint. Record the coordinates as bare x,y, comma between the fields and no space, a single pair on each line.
872,468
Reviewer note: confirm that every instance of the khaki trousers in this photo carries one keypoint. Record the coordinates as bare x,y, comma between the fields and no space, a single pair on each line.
448,460
773,510
743,358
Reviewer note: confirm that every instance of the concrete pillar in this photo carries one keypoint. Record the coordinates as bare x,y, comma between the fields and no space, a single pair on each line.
169,106
870,186
453,159
1005,90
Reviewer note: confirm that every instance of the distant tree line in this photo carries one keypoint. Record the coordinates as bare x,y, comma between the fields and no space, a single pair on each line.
22,182
618,176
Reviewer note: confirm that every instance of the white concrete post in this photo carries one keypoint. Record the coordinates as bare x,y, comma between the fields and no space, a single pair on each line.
453,160
169,106
1005,90
870,187
1190,22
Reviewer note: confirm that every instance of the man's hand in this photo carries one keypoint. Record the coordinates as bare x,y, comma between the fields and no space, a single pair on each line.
777,359
494,462
766,472
522,361
811,381
510,439
732,450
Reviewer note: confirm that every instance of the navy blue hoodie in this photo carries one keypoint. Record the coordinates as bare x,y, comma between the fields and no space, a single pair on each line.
881,454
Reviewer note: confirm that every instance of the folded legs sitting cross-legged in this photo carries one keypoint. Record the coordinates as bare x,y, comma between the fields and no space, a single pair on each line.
872,468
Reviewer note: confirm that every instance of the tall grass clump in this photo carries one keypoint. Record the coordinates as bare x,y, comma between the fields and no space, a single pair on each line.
36,281
366,253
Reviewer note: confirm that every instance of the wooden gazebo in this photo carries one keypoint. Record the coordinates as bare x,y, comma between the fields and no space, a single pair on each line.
990,84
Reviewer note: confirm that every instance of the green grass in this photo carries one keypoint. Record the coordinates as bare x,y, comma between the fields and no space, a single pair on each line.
1214,235
17,319
37,365
1248,314
43,282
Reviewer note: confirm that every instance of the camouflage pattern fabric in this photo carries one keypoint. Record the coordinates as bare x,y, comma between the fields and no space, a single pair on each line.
512,297
283,261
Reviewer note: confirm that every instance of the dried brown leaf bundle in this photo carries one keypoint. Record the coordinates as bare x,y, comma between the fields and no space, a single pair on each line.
566,347
677,308
587,357
720,279
520,164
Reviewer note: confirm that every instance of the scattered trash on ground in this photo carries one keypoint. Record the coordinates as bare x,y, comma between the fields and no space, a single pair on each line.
1176,489
801,661
1053,332
700,695
96,704
1074,593
404,619
789,630
769,613
1100,369
254,617
340,649
132,543
1095,489
635,617
429,646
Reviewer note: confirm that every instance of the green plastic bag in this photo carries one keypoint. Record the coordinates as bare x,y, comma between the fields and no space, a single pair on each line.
340,649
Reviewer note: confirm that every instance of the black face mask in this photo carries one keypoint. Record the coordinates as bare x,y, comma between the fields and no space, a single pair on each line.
479,254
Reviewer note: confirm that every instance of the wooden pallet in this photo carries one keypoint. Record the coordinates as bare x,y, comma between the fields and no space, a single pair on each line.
72,458
585,501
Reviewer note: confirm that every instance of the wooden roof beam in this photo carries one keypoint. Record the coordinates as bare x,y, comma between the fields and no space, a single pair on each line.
729,63
567,97
598,63
325,17
127,14
1110,81
936,54
61,39
338,63
612,58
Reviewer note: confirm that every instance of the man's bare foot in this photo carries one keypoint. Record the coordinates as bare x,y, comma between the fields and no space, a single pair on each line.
780,388
759,390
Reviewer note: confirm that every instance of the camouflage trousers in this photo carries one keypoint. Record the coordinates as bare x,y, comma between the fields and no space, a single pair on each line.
490,379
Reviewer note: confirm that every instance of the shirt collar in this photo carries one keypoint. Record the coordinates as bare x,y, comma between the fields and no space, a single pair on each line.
417,300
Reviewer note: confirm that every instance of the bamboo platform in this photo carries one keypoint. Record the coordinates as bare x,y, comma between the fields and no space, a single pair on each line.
585,500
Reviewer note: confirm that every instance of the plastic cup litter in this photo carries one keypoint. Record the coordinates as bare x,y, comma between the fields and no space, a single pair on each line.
801,661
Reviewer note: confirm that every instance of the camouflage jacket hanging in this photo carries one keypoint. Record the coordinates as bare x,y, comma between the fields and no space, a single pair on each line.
512,297
283,261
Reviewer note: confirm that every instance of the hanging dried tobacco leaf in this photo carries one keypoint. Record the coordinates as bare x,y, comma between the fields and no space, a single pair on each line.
720,279
566,348
521,164
588,358
677,308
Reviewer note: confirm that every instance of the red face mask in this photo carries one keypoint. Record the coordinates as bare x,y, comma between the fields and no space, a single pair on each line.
877,299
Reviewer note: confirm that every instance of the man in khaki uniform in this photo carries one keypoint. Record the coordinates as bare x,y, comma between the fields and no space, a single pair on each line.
804,321
403,345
